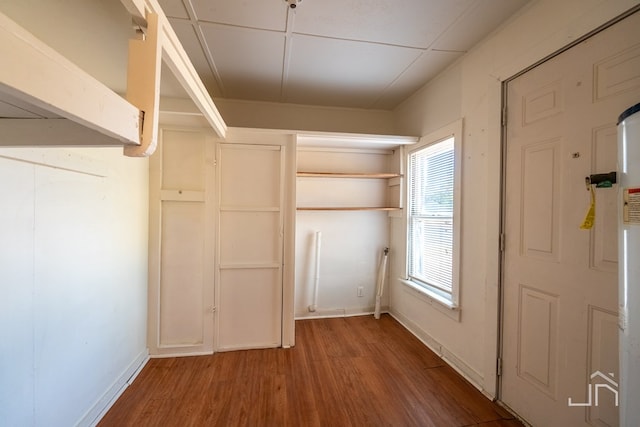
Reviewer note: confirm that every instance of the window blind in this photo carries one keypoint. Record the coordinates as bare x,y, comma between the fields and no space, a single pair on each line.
431,219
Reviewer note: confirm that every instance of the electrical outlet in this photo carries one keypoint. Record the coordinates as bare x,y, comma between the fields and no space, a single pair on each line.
360,291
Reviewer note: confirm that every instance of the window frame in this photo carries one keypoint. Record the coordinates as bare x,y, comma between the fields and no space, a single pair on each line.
449,300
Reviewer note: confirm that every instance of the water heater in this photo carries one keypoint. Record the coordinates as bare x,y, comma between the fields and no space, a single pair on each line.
629,264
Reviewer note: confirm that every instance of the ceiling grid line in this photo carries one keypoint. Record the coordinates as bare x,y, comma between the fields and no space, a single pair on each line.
193,17
361,41
452,25
286,60
236,26
427,49
368,54
386,88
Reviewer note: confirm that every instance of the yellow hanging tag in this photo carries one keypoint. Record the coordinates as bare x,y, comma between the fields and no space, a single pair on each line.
587,224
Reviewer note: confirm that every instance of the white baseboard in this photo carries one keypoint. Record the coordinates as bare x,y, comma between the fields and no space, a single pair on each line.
474,377
181,354
322,313
93,416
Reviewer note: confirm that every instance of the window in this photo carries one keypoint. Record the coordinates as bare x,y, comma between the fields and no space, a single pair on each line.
432,219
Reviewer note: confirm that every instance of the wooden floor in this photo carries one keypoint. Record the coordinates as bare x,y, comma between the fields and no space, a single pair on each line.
342,372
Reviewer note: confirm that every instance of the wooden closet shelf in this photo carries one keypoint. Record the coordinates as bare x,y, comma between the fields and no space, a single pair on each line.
326,208
347,175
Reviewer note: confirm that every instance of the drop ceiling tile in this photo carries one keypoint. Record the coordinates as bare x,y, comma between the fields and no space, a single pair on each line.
187,34
262,14
413,23
348,53
417,75
169,85
174,9
248,61
338,72
479,20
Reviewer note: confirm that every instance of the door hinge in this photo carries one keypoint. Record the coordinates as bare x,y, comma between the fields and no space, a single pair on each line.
499,366
504,116
502,239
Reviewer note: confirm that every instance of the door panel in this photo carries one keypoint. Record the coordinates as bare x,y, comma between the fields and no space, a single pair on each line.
537,343
617,73
182,267
252,176
560,281
603,356
250,246
256,244
540,208
181,275
250,304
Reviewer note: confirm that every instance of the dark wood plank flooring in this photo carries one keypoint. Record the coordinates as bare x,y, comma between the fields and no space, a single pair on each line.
354,371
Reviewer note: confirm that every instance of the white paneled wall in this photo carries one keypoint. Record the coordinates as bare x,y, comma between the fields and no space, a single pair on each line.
221,240
73,280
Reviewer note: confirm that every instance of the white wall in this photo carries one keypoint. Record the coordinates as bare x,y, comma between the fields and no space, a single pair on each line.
352,241
73,281
268,115
352,244
82,31
471,89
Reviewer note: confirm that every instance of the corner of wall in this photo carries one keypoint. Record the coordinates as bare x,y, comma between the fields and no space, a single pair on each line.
99,409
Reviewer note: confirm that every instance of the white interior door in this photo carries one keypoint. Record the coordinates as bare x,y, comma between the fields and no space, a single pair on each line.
250,245
560,281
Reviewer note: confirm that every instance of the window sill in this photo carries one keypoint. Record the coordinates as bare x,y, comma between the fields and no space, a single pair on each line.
437,301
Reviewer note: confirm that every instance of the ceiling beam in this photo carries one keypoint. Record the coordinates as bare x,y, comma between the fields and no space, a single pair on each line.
37,75
43,132
178,61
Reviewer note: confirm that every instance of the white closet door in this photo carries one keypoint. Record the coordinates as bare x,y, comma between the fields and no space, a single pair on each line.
181,272
250,239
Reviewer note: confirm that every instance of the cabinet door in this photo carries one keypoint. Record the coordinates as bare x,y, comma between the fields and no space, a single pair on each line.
250,245
181,245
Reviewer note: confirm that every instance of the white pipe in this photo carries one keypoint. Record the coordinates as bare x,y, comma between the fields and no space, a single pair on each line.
380,288
316,279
